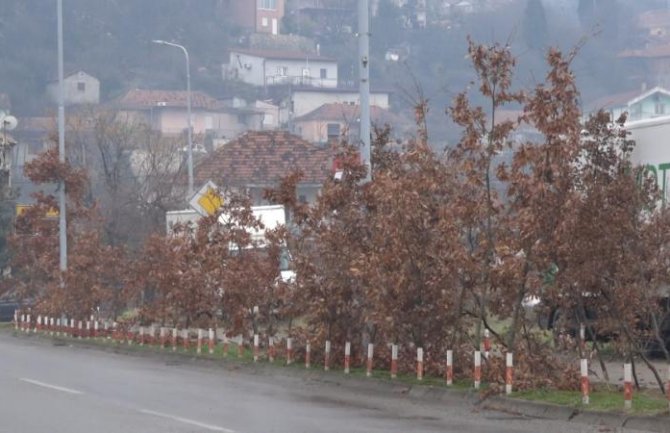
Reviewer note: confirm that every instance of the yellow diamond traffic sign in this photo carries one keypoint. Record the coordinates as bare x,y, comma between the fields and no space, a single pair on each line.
207,200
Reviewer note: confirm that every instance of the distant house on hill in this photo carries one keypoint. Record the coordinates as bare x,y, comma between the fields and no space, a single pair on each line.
80,88
335,121
638,104
261,16
166,111
303,100
269,68
258,160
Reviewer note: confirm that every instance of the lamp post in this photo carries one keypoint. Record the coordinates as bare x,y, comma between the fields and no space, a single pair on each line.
62,224
188,108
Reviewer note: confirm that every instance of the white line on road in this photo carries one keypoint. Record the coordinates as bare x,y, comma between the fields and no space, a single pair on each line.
54,387
187,421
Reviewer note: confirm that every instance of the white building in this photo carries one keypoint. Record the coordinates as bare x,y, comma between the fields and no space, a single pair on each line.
80,88
268,68
304,100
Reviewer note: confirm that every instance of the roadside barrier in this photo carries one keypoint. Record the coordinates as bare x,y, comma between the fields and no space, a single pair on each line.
326,356
509,372
271,349
371,349
347,357
153,335
584,370
628,386
289,351
477,372
419,363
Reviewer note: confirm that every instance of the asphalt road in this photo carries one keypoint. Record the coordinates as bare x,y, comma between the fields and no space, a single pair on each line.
51,389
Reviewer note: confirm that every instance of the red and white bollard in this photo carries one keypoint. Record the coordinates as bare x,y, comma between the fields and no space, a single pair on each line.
326,357
186,339
240,348
30,324
289,351
88,329
271,349
80,329
198,349
38,326
627,386
73,328
584,369
256,347
419,363
371,350
347,357
211,341
141,335
107,332
23,322
175,335
477,375
394,361
163,337
308,349
16,320
487,343
509,372
226,343
96,329
58,327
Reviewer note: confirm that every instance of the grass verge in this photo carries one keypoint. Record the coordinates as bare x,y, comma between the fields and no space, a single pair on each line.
645,402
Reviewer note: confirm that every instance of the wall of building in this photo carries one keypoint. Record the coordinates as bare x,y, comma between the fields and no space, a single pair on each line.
80,88
301,72
246,68
305,102
268,20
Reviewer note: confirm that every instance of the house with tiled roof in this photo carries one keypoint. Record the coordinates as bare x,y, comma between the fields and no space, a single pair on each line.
269,68
335,121
80,88
166,111
639,104
258,160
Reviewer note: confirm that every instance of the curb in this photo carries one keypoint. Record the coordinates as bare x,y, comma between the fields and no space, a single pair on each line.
389,389
549,411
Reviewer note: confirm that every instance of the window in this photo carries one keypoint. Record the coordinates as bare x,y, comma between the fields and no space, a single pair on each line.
264,21
659,108
282,71
305,72
302,199
333,130
324,73
81,86
267,4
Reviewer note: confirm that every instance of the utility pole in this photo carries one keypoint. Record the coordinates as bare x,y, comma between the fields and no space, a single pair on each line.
62,224
364,85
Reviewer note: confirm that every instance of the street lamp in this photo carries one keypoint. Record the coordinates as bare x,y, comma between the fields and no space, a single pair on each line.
62,222
188,107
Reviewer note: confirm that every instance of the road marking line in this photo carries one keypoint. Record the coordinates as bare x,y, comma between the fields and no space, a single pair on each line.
54,387
187,421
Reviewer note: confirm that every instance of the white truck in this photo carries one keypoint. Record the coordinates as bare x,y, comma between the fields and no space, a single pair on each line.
271,217
652,148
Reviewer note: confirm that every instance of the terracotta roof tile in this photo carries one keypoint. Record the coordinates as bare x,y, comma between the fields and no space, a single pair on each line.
139,98
263,158
349,112
282,55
